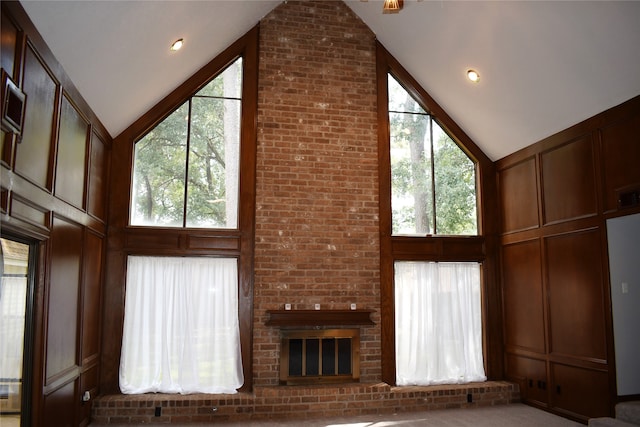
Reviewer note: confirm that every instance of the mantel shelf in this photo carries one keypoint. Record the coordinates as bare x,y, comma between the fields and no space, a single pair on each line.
306,318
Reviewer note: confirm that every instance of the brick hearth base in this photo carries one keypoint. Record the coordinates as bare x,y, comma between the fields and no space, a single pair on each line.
289,402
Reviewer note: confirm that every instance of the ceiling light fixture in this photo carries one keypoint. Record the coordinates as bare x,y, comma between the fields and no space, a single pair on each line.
473,76
177,45
392,6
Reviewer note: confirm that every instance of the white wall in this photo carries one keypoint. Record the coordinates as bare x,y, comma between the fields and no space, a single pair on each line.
624,264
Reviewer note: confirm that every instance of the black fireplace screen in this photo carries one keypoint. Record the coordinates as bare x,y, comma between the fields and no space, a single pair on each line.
317,356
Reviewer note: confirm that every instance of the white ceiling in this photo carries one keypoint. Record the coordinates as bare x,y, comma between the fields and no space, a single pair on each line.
544,65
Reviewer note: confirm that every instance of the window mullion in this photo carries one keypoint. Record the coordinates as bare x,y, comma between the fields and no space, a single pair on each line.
433,177
186,171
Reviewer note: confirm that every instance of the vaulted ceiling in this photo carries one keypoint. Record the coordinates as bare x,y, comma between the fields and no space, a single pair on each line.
544,65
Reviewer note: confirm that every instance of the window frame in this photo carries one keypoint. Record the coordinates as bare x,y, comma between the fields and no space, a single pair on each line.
127,240
188,102
432,161
437,247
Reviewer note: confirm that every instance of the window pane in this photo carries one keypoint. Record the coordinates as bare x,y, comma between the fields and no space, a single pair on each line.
159,172
411,188
410,145
427,167
214,161
232,87
193,157
455,183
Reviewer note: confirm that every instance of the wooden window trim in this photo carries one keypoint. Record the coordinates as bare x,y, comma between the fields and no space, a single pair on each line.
454,248
131,240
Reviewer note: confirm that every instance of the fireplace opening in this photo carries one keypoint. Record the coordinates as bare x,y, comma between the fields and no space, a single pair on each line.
320,356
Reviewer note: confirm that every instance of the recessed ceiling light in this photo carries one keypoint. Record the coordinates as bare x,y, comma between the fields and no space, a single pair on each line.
177,45
473,76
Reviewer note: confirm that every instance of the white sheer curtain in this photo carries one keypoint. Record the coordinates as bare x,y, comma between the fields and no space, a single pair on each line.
181,331
438,323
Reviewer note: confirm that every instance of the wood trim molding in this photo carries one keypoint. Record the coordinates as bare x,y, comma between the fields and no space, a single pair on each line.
318,318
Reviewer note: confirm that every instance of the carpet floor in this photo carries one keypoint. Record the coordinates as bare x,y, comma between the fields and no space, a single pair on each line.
514,415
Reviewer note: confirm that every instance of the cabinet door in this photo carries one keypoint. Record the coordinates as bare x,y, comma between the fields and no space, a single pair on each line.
583,393
531,375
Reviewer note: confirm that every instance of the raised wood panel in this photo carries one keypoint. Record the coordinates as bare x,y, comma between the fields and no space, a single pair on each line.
531,375
97,196
59,407
4,200
71,155
568,181
523,297
211,242
152,239
5,148
621,151
8,42
29,212
471,248
519,196
89,381
64,281
33,152
582,392
575,290
91,292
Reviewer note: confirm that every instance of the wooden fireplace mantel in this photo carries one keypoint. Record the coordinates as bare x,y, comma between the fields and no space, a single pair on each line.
307,318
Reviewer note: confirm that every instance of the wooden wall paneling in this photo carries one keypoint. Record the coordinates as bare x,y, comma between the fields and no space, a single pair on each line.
4,200
518,193
92,273
59,406
577,191
531,375
523,297
89,381
63,299
71,155
575,287
581,393
33,153
621,151
67,295
8,43
98,178
39,322
28,211
569,181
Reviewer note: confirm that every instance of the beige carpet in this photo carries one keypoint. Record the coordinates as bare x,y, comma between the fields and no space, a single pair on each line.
9,420
514,415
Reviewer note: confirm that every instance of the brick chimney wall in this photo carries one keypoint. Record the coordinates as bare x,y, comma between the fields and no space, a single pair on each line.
317,181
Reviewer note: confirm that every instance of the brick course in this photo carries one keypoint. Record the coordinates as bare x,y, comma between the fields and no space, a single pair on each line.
295,402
